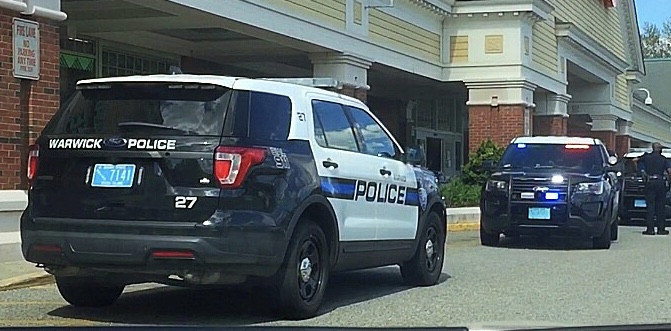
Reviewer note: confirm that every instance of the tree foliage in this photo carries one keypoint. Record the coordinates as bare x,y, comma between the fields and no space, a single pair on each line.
656,41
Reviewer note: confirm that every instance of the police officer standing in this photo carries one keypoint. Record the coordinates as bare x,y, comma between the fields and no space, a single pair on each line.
655,169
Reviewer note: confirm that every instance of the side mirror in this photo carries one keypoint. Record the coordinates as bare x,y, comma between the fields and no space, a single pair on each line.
414,155
488,165
612,160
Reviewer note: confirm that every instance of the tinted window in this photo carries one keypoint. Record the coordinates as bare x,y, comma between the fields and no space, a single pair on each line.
375,140
336,131
156,109
259,115
580,158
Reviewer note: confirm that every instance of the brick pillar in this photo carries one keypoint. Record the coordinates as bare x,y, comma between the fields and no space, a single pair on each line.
25,105
550,125
500,124
607,137
359,93
622,144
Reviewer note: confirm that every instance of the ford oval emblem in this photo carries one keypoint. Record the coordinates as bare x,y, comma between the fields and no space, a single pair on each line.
115,142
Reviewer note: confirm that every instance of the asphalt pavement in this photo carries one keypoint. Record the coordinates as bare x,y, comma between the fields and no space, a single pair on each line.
528,282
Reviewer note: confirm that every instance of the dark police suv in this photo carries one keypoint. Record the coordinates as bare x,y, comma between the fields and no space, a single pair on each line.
633,206
552,185
206,180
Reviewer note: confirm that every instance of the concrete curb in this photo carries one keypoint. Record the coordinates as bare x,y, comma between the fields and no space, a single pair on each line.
461,227
27,280
463,219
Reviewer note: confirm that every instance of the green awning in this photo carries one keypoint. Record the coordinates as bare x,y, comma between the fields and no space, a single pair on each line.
78,62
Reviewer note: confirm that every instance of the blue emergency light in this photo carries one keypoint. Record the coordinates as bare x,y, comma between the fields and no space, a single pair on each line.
551,196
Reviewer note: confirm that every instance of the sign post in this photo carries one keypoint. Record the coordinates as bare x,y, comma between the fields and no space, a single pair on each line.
26,36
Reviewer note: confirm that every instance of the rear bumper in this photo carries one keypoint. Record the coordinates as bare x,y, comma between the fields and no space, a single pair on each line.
127,247
628,209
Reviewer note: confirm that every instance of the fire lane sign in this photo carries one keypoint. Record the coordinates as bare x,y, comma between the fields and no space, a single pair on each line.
26,36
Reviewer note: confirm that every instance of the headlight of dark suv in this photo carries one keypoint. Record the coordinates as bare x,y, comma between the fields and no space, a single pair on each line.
496,185
590,187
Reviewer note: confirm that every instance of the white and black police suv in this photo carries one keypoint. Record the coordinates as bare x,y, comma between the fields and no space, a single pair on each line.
552,186
208,180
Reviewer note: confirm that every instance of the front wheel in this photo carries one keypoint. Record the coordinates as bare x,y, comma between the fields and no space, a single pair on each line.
426,265
83,292
489,239
305,273
603,241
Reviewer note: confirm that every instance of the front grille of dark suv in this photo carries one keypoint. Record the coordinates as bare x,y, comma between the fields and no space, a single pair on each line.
527,185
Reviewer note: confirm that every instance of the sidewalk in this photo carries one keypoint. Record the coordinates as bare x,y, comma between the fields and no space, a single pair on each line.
18,273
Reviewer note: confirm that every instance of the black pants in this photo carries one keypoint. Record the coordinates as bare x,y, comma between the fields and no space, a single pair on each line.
655,200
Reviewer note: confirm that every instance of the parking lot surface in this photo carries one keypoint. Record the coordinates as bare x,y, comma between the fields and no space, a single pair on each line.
527,282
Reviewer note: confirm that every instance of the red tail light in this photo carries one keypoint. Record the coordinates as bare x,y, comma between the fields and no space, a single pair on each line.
231,164
47,248
33,157
187,255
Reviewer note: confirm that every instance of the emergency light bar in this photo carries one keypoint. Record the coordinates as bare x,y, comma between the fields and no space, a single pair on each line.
576,146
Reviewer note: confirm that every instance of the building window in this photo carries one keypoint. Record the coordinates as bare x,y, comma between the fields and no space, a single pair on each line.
118,63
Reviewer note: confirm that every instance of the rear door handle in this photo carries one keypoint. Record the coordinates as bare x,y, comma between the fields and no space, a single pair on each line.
385,172
330,164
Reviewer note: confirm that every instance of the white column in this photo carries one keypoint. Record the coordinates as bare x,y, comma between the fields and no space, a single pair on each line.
347,69
606,122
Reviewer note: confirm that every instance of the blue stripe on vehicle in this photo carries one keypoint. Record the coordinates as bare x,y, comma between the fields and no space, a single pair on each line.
338,187
411,197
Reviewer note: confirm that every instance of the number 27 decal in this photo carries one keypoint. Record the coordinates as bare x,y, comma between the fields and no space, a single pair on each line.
185,202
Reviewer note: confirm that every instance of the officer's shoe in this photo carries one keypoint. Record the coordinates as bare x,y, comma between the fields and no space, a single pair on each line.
649,232
663,232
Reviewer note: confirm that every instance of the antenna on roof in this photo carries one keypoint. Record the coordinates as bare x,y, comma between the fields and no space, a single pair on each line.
174,70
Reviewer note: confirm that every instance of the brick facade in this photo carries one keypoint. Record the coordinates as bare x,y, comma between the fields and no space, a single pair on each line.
361,94
500,124
550,126
607,137
25,106
622,144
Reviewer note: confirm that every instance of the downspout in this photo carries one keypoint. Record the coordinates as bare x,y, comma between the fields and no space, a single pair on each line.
19,6
32,10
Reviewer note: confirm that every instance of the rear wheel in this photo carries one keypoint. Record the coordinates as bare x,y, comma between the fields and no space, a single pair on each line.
489,239
426,265
603,241
84,292
305,273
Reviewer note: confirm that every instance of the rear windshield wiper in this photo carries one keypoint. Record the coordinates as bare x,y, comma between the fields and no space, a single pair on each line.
152,126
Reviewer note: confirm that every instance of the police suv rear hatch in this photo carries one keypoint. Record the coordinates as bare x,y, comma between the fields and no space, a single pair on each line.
132,149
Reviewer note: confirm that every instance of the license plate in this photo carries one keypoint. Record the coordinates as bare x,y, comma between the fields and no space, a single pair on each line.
539,213
638,203
113,175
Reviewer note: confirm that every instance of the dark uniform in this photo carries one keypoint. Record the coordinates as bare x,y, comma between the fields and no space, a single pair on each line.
654,167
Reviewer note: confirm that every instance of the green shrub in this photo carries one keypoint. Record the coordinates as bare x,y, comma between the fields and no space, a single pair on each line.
464,191
459,194
473,173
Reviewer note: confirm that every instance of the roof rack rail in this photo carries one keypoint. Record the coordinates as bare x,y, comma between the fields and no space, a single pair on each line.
320,82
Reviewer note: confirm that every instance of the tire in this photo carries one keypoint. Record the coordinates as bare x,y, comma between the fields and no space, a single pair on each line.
603,241
302,285
426,265
83,292
489,239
